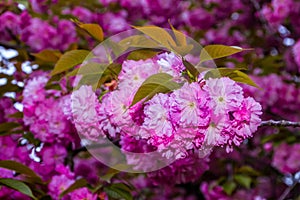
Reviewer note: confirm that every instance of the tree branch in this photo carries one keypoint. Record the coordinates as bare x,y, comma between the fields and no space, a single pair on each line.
281,123
289,189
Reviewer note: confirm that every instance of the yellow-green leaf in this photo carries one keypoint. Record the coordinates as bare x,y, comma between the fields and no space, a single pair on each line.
215,51
158,34
241,77
94,30
139,41
109,175
180,37
157,83
142,54
76,185
220,72
96,74
69,60
17,185
243,180
229,187
182,50
48,55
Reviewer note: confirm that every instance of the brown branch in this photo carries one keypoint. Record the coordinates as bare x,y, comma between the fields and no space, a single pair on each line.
281,123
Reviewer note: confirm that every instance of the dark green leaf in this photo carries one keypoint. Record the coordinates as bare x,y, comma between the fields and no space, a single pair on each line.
229,187
248,170
191,69
69,60
30,138
17,185
243,180
17,115
46,197
7,126
157,83
20,168
76,185
118,191
8,87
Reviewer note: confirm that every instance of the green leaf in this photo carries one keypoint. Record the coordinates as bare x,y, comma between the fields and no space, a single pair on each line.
270,64
180,37
191,69
20,168
69,60
182,48
234,74
48,55
142,54
158,34
248,170
118,191
215,51
220,72
96,74
17,185
241,77
8,87
139,41
53,87
276,137
30,138
94,30
17,115
76,185
109,175
243,180
7,126
72,73
157,83
229,187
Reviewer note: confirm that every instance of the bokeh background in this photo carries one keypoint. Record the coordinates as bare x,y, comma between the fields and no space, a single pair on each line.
266,166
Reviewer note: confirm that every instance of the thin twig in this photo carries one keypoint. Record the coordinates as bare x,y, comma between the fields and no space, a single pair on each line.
288,190
281,123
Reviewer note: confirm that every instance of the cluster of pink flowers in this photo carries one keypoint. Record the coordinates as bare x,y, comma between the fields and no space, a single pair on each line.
287,158
43,113
62,181
199,115
296,53
282,93
277,11
37,33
